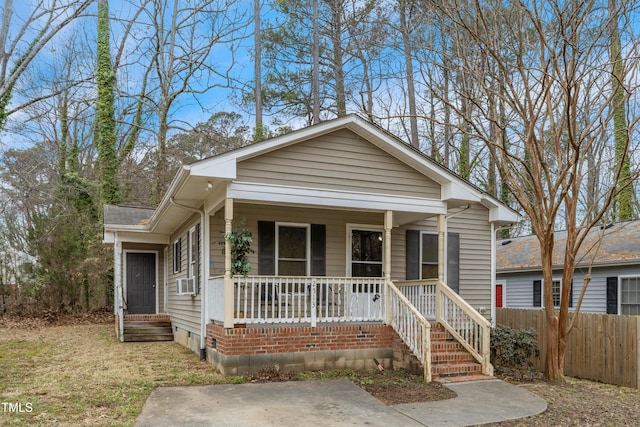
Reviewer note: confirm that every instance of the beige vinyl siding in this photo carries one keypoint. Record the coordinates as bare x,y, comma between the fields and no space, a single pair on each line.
336,230
342,161
159,249
184,309
475,252
475,255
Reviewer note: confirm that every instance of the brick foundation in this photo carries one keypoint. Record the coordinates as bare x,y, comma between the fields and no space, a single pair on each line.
247,350
146,318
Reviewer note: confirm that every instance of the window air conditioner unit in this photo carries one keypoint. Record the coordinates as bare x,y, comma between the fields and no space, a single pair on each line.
186,286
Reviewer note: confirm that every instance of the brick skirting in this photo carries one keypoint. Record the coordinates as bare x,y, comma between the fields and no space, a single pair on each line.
147,318
269,340
244,351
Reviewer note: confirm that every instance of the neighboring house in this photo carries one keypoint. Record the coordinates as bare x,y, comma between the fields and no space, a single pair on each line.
611,253
346,222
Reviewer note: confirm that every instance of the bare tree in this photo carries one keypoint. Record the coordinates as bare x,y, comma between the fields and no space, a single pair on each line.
183,39
22,38
542,149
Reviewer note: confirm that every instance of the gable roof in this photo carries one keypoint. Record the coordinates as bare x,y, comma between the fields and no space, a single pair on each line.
185,191
614,244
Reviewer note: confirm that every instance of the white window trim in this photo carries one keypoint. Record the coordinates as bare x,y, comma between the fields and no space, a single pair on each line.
553,279
191,262
349,248
620,278
175,242
307,244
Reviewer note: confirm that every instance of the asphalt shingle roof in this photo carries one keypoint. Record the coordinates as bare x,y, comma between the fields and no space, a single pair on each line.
125,215
613,244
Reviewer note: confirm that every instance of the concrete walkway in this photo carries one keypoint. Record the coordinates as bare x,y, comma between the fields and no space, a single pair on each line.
331,403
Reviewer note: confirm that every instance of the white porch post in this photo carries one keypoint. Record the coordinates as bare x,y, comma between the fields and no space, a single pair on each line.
441,266
228,280
388,225
117,286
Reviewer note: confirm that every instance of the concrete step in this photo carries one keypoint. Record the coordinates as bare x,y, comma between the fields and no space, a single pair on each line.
456,370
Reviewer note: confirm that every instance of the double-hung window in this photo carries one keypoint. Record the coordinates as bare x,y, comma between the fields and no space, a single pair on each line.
630,296
293,242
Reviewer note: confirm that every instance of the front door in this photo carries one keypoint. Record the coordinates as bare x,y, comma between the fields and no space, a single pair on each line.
366,253
141,283
366,261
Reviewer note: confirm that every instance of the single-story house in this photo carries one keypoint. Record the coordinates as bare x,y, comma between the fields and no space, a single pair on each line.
610,252
350,262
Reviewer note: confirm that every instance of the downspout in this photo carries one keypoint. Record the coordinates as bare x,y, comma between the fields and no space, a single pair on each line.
493,275
203,299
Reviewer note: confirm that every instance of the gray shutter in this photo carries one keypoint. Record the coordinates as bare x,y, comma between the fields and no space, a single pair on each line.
318,250
412,254
537,293
453,261
266,248
612,295
571,295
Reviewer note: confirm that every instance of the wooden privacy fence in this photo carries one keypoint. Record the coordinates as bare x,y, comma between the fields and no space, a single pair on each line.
601,347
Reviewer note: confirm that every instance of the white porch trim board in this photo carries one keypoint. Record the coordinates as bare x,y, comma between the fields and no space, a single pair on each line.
272,193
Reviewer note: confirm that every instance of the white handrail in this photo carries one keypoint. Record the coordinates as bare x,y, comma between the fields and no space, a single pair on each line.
466,325
411,326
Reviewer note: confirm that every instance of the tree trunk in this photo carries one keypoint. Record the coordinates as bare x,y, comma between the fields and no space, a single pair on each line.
408,59
257,71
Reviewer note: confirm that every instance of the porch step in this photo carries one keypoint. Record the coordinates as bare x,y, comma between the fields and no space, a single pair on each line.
147,331
450,360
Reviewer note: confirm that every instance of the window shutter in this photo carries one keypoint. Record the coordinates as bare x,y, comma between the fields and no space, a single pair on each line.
537,293
612,295
453,261
266,248
412,255
571,295
318,250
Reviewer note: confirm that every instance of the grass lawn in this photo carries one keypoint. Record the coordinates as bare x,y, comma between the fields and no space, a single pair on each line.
81,375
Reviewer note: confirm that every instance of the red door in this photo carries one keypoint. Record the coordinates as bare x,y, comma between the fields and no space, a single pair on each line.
499,296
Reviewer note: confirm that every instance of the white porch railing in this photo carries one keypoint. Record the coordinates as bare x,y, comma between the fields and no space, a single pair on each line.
285,299
435,300
411,326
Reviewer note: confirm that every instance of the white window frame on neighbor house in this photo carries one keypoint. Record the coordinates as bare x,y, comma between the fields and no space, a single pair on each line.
307,259
553,280
620,294
349,249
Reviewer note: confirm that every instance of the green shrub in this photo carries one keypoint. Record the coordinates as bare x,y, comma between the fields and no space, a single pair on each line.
512,351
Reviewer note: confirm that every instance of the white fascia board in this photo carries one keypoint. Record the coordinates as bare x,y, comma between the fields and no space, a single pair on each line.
455,191
221,168
500,214
333,198
178,182
144,237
